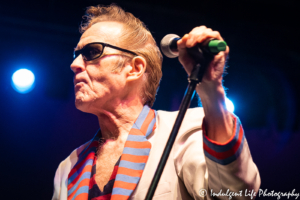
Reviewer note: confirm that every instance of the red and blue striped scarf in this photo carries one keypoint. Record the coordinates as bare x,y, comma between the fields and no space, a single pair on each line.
132,163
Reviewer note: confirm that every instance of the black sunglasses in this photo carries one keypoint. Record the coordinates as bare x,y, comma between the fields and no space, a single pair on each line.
94,50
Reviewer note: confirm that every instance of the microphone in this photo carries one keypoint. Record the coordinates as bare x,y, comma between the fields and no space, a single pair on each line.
168,46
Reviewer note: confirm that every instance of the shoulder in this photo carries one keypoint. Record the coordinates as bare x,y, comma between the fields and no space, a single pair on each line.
190,129
192,118
191,112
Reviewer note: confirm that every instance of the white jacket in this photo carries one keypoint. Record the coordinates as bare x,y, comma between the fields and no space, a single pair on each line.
188,172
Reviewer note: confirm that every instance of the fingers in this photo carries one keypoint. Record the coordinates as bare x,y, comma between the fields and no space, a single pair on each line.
198,35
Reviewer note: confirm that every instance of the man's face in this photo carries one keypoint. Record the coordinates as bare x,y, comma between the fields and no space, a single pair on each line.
96,86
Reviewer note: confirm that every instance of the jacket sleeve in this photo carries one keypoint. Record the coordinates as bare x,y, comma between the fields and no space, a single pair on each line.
231,170
208,169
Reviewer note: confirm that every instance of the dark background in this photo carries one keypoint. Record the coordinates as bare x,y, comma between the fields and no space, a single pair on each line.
39,129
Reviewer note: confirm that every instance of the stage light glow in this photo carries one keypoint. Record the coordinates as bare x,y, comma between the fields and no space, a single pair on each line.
229,105
23,81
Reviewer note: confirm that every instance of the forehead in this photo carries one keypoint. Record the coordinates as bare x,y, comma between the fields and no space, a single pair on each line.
108,32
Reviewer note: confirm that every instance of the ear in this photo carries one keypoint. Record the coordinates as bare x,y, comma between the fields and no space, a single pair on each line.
138,68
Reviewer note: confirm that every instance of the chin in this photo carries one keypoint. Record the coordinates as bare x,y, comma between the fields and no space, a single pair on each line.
81,105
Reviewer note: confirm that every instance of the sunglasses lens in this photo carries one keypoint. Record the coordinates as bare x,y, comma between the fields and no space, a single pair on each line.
92,51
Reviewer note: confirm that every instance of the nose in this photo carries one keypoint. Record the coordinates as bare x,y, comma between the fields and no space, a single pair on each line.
78,64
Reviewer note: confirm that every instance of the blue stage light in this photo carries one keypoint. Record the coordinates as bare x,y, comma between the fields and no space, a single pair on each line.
23,81
229,105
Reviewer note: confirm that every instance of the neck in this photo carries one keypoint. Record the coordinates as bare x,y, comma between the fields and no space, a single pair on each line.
116,123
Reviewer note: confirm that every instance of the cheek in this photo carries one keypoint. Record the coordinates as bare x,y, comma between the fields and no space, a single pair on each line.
103,84
103,79
97,75
111,83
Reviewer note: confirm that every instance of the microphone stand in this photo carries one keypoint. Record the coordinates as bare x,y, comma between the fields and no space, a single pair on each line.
202,59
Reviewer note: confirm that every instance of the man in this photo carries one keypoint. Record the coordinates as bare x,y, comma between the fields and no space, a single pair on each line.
117,68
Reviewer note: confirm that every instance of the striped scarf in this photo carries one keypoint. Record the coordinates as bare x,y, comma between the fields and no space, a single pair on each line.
132,163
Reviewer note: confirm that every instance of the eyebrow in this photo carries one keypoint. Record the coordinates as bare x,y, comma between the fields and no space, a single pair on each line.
77,48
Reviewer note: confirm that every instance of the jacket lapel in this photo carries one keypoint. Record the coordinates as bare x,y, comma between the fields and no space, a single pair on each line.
134,156
79,176
132,162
